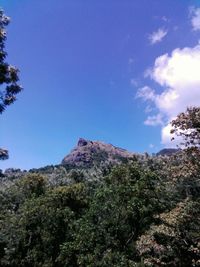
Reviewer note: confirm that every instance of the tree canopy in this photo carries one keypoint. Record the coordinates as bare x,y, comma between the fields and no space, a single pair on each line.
187,125
9,86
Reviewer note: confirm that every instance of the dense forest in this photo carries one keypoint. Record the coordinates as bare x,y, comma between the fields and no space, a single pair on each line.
139,211
143,212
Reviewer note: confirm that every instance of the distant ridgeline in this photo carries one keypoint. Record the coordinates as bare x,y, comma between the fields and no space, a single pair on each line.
103,206
88,160
90,153
167,152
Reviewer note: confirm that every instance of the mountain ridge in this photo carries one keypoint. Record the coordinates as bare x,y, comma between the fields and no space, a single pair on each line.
88,153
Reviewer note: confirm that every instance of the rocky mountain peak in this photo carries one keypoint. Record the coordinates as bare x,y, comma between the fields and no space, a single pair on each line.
90,153
82,142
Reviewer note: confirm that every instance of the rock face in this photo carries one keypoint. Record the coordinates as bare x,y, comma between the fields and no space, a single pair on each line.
89,153
82,142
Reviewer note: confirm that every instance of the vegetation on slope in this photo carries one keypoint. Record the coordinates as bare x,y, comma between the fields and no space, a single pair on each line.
145,212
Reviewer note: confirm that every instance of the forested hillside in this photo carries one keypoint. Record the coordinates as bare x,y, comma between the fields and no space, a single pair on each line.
144,212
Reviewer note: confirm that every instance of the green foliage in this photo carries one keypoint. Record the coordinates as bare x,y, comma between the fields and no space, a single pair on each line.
9,86
175,241
187,125
79,224
8,73
76,176
145,212
32,235
32,185
121,209
141,214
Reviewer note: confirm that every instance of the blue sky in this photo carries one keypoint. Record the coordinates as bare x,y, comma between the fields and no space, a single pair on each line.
101,70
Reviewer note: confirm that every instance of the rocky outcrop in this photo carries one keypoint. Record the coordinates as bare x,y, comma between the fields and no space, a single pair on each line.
89,153
167,152
82,142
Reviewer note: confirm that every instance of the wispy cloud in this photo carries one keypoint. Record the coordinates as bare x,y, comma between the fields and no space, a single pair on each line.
154,120
157,36
148,109
146,93
179,76
165,19
195,18
134,82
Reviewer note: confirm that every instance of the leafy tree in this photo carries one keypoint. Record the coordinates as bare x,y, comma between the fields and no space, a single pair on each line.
175,241
32,234
9,86
187,125
3,154
121,209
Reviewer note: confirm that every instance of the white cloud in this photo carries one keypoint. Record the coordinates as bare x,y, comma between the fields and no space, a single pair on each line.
134,82
146,93
157,36
180,69
166,136
165,19
179,76
154,120
195,18
148,109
